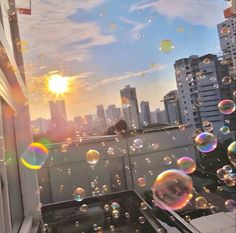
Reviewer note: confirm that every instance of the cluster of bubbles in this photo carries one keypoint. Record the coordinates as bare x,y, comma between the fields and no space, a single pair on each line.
226,174
173,188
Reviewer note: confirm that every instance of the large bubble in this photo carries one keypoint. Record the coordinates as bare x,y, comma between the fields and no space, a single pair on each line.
166,46
206,142
174,188
226,106
231,151
230,205
34,156
138,143
79,194
93,157
186,164
201,203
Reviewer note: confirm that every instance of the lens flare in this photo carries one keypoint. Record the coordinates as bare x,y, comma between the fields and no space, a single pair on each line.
206,142
34,156
174,188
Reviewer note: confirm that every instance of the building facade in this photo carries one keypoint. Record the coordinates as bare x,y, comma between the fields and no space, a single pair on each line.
198,89
172,108
145,113
130,107
113,114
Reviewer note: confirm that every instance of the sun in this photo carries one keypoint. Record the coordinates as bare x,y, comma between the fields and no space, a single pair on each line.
58,84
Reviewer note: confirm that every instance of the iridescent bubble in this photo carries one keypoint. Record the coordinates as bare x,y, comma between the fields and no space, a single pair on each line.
230,205
201,203
174,188
167,160
186,164
166,46
224,130
221,173
34,156
230,179
187,218
115,213
206,142
226,106
106,207
110,151
141,220
228,168
143,205
141,182
207,126
115,206
138,143
231,152
226,80
93,157
79,194
83,209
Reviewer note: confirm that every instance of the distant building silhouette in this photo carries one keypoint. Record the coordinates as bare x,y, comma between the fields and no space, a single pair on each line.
130,107
145,112
161,116
101,119
41,125
58,115
113,114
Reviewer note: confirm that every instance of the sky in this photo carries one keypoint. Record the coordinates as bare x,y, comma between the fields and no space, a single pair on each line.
104,45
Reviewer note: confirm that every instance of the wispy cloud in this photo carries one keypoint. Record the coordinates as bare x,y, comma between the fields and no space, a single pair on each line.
128,75
49,30
197,12
137,27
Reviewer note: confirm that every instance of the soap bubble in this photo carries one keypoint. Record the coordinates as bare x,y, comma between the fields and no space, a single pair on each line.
34,156
207,61
201,203
207,126
112,228
167,160
143,205
141,220
79,194
231,152
186,164
174,188
228,168
83,209
230,179
110,151
226,80
206,142
230,205
106,207
221,173
166,46
115,206
127,215
226,106
141,182
115,213
138,143
93,157
224,130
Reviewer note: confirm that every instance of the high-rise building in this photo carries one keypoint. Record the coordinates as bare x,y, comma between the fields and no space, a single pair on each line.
145,112
41,125
172,108
130,107
58,115
101,116
161,116
198,89
153,117
88,123
113,114
78,121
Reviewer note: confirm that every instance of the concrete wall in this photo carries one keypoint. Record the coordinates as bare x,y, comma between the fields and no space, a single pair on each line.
64,171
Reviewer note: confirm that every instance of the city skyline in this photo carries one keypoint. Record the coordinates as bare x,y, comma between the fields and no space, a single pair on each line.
91,59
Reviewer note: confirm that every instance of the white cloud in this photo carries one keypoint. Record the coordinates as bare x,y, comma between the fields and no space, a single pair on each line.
197,12
128,75
137,27
50,31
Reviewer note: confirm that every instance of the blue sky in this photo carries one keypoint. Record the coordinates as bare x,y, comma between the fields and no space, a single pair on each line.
109,44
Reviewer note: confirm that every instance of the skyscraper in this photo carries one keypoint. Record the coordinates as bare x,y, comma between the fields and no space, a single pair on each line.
161,116
113,114
130,107
58,115
101,116
198,89
146,114
172,107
